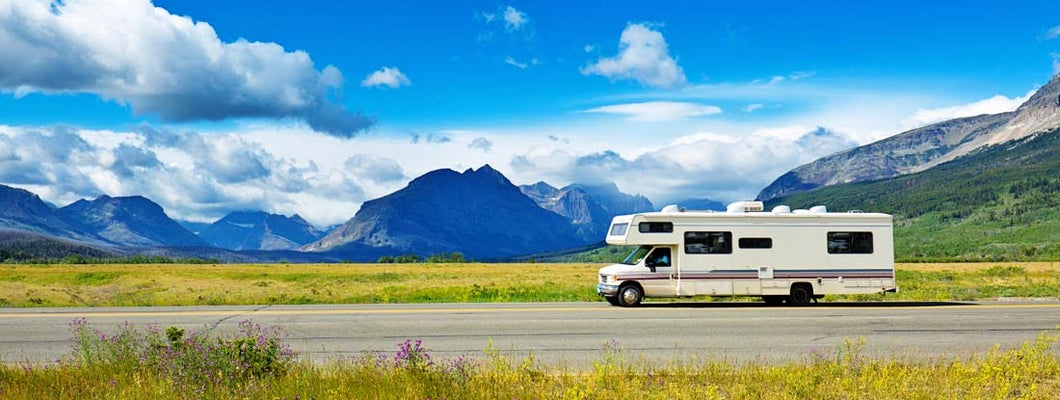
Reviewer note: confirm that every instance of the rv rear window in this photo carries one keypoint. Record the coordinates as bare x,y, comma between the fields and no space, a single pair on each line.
756,243
849,242
656,227
708,242
618,230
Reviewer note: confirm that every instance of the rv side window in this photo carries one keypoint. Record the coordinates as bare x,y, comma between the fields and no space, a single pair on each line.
756,243
708,242
618,229
656,227
849,242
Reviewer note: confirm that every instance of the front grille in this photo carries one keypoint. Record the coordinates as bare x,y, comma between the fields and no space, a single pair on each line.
603,278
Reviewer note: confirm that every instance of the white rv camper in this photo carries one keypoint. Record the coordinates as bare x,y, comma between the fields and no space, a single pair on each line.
780,255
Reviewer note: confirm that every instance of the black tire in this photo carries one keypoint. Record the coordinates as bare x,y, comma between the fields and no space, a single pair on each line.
773,300
629,295
801,294
613,300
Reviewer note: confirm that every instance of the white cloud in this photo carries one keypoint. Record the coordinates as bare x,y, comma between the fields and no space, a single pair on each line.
753,107
1052,33
514,19
658,111
511,61
134,53
387,76
481,143
589,48
375,168
644,57
1056,62
993,105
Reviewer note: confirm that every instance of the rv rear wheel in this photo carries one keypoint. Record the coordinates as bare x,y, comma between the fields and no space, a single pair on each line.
801,294
629,295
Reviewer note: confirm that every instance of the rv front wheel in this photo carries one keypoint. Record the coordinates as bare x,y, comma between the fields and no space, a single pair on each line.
629,295
801,294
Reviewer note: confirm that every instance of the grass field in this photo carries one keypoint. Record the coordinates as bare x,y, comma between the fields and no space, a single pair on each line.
192,284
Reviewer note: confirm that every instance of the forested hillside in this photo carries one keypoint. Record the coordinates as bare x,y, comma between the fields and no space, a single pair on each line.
1000,202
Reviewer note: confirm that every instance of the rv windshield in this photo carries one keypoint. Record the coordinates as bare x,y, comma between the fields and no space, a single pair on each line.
637,255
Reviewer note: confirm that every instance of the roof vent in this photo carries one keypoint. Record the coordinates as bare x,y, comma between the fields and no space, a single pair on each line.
672,208
818,210
745,206
782,209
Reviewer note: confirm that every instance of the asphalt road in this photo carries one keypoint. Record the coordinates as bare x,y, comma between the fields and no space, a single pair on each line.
574,334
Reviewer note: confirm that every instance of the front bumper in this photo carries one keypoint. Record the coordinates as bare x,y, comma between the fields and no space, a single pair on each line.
606,290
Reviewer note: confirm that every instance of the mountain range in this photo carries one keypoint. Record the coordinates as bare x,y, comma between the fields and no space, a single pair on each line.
923,148
478,213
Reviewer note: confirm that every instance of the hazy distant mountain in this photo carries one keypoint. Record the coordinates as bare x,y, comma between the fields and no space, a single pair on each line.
701,204
258,230
194,227
923,148
589,207
478,212
21,210
129,221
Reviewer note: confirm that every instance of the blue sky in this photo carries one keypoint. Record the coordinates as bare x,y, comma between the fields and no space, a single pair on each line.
314,107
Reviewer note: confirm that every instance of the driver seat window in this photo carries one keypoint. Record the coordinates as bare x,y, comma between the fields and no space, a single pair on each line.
660,257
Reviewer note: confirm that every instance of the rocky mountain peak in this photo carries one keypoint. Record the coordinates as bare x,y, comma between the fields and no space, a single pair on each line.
925,147
129,221
259,230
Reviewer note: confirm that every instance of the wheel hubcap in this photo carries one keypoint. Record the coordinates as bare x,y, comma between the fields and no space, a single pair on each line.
629,296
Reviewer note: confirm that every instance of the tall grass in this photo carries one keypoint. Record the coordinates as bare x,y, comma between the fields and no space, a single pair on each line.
189,284
146,363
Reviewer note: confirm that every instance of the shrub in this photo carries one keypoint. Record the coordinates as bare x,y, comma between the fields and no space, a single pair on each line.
198,364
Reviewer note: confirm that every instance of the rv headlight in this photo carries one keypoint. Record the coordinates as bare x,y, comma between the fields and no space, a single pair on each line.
611,279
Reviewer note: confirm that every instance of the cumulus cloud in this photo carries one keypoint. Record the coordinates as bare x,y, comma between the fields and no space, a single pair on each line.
657,111
514,19
134,53
993,105
375,168
753,107
481,143
387,76
643,56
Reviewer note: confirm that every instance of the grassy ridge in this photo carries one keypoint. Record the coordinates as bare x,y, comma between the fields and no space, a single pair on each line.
189,284
999,203
136,364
